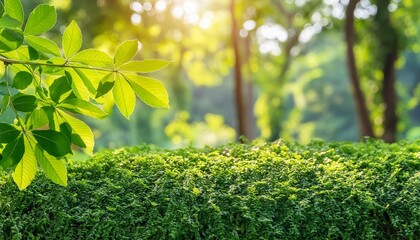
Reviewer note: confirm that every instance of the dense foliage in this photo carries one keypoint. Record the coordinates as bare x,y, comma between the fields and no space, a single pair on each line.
43,86
273,191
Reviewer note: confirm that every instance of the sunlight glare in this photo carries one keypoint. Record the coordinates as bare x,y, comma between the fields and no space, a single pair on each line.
273,31
249,25
190,7
205,22
135,19
147,6
136,7
178,12
160,6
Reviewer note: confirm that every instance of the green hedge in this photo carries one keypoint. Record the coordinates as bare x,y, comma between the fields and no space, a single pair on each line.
274,191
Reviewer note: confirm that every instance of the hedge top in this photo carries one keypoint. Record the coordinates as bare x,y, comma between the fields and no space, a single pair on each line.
272,191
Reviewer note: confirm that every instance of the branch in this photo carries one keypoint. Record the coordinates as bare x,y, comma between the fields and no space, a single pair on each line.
22,62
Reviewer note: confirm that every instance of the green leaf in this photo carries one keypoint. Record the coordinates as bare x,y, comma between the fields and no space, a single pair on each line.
9,40
77,140
78,86
22,80
52,69
81,129
150,91
7,115
125,52
72,39
54,169
38,118
12,153
14,9
124,96
24,103
8,22
53,142
105,85
92,57
85,80
42,44
40,20
59,87
8,133
76,105
145,66
26,169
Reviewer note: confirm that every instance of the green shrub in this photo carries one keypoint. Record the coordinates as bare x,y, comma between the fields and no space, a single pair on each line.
273,191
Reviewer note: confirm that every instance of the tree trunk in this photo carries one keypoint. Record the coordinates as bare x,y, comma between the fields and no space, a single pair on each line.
249,90
388,39
243,129
359,98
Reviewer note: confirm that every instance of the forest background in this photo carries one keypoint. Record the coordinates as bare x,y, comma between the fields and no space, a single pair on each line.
294,69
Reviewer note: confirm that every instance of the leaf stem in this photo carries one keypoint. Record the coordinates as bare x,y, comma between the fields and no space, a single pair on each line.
8,61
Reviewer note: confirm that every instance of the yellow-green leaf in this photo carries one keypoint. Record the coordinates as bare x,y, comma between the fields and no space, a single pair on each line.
72,39
26,169
145,66
124,96
40,20
76,105
150,91
42,44
92,57
14,9
125,52
81,129
54,169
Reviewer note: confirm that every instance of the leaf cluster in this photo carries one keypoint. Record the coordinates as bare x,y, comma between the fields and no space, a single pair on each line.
241,191
43,86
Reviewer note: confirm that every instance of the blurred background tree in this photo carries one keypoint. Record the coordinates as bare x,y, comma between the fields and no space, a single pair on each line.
264,69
